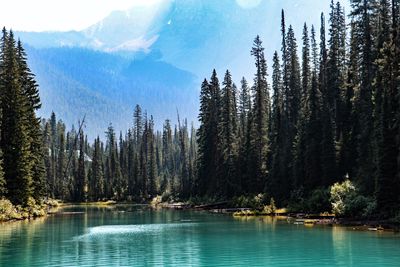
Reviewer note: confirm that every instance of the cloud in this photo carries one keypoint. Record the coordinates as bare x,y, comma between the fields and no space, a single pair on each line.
248,4
61,15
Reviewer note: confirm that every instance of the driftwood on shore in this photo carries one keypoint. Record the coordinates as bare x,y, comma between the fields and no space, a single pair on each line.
177,206
210,206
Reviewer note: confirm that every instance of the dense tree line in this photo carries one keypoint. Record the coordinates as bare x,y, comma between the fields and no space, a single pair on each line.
137,165
333,115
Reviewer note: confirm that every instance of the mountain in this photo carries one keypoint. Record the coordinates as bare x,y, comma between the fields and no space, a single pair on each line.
106,87
155,55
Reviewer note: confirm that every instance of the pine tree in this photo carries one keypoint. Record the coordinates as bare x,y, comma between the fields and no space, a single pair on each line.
152,165
347,163
97,182
335,66
209,150
285,61
112,170
293,81
137,137
361,14
202,138
144,160
138,124
3,186
387,83
287,131
313,134
183,159
52,150
123,166
228,136
131,184
15,141
192,159
31,92
46,155
244,112
277,183
261,115
244,106
300,141
80,179
61,165
313,131
216,154
328,160
167,152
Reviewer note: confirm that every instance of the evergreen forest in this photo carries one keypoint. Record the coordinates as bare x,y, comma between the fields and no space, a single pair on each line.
326,111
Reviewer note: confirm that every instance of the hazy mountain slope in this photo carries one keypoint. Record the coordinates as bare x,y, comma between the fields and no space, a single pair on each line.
54,39
75,81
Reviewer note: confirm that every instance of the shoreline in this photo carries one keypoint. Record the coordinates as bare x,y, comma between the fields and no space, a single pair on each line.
307,219
11,213
297,217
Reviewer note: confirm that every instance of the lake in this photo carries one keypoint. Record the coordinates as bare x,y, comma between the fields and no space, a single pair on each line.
140,236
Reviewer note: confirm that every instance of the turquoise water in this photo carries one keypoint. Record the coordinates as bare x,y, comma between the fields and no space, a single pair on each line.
139,236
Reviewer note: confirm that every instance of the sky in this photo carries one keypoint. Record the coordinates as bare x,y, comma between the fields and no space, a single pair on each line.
66,15
61,15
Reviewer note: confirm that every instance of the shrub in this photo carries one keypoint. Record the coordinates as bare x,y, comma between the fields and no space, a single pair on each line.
156,200
32,209
341,193
52,202
360,206
271,208
318,201
346,201
8,211
256,202
297,202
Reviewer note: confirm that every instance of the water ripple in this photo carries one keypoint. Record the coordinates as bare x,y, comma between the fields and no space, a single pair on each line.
106,230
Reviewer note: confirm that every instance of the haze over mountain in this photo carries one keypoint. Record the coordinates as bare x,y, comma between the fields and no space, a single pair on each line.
155,56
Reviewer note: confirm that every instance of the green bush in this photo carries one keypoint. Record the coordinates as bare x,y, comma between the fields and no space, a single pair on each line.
271,208
297,201
8,211
347,202
52,203
156,200
32,209
360,206
256,202
318,201
341,194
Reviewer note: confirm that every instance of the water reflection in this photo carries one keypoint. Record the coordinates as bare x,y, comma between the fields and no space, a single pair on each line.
26,232
139,236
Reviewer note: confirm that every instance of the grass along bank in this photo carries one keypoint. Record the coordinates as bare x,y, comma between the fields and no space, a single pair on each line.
33,209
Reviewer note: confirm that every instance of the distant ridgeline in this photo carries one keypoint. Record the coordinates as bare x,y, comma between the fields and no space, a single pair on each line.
332,116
